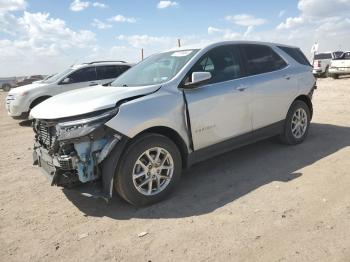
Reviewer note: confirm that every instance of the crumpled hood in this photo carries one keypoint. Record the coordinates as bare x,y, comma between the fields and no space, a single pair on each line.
86,100
25,88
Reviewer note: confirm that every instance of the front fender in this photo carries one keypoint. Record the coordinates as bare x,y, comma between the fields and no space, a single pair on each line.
163,108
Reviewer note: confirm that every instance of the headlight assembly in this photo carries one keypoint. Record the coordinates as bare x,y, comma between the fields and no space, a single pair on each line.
83,127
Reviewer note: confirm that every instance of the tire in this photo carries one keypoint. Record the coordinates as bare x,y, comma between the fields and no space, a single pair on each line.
135,161
291,135
6,87
335,76
326,73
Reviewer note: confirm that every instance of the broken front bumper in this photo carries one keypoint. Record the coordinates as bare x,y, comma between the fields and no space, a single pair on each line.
81,167
50,167
54,167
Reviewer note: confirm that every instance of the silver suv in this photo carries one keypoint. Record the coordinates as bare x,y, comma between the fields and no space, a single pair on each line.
170,111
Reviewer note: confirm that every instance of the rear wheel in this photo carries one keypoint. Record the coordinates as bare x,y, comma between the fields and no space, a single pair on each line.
326,73
335,76
149,170
296,124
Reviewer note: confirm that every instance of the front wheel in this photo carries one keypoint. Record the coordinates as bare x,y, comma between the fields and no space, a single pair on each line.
149,170
6,87
296,124
335,76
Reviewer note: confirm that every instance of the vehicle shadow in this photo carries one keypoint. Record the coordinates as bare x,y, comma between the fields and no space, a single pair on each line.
212,184
340,77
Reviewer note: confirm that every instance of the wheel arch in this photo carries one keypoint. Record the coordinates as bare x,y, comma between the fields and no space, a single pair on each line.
38,100
173,136
307,100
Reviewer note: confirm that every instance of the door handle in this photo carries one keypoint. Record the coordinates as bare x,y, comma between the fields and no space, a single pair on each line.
241,88
286,77
93,84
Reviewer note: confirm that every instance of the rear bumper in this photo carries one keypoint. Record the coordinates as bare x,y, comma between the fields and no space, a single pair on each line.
317,71
339,70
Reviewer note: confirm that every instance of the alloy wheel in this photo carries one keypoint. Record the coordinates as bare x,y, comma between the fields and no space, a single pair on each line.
153,171
299,123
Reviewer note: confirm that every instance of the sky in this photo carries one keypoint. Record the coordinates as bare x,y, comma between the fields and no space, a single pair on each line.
47,36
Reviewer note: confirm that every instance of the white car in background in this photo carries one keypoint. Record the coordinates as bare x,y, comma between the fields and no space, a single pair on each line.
340,66
322,62
21,100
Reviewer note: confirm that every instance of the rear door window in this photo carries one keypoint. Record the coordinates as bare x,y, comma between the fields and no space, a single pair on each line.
261,59
83,75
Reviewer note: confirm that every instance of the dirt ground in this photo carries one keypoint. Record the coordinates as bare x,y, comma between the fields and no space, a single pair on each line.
263,202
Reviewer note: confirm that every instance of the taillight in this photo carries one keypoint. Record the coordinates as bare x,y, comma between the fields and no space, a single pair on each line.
317,63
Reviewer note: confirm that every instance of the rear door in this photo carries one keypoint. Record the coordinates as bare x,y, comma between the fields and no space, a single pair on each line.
83,77
219,109
271,84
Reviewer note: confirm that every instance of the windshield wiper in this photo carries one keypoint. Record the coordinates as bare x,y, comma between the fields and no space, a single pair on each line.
124,85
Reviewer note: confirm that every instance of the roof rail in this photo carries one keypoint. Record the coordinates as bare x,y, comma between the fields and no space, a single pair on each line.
96,62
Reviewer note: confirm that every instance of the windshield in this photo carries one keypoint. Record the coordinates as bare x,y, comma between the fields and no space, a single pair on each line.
57,77
156,69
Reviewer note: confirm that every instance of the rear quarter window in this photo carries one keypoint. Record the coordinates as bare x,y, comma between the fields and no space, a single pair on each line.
296,54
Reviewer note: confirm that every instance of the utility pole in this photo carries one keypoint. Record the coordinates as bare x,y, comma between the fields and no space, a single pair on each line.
179,42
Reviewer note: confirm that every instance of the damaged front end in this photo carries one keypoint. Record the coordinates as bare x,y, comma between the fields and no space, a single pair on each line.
70,151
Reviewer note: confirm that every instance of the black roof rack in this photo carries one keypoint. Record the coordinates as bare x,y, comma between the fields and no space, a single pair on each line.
96,62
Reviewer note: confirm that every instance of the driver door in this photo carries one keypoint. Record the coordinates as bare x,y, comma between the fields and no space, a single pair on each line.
220,109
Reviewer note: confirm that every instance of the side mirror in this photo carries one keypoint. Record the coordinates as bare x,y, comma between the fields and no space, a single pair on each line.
66,80
198,77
